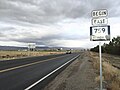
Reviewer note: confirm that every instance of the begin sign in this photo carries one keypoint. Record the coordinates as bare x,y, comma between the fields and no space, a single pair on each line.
99,13
100,33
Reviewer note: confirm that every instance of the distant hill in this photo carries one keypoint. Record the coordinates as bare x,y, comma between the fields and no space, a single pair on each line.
12,48
38,48
23,48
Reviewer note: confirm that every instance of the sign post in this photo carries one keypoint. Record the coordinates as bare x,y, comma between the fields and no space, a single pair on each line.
100,31
100,55
31,47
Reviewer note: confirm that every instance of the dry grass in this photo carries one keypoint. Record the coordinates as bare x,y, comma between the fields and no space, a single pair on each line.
19,54
111,75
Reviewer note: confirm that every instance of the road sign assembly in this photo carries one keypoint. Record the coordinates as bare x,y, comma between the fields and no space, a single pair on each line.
100,31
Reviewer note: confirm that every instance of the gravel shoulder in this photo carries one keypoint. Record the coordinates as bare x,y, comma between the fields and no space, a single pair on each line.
79,75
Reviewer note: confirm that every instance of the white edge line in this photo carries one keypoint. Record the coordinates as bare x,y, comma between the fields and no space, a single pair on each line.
28,88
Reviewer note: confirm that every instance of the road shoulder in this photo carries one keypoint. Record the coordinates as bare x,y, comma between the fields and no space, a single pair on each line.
79,75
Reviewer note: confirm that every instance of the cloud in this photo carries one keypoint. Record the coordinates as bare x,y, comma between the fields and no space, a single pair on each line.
52,22
51,11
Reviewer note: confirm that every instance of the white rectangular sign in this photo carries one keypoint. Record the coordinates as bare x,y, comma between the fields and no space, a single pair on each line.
99,21
100,33
31,45
99,13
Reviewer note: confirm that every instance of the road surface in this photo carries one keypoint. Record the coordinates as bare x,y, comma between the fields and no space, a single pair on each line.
23,73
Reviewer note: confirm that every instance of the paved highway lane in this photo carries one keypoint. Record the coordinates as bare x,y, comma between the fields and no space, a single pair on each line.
22,77
18,62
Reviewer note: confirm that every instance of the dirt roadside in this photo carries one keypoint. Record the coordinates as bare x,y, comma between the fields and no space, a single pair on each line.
79,75
11,55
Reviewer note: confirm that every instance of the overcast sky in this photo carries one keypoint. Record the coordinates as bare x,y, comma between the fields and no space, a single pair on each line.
53,22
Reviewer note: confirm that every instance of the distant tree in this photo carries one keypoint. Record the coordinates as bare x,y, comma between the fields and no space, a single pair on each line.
95,49
112,48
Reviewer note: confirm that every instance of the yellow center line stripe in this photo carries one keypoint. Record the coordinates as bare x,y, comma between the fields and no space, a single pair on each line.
21,66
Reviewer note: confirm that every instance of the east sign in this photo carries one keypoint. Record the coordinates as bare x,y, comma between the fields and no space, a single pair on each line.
99,21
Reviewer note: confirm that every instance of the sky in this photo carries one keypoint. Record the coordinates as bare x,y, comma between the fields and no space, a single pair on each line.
54,23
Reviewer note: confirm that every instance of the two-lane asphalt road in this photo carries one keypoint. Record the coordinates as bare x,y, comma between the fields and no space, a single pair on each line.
23,73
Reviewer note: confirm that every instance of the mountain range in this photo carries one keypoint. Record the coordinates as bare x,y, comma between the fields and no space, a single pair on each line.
38,48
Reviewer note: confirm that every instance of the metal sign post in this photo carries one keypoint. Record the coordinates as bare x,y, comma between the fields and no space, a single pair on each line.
31,47
100,65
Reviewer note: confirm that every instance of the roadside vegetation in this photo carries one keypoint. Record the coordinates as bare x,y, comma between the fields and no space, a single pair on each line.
111,75
112,48
110,63
6,55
